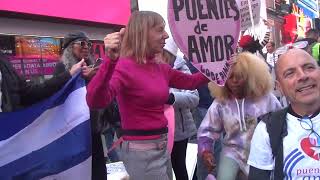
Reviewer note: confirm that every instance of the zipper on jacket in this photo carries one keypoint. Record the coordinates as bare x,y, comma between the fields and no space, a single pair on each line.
182,120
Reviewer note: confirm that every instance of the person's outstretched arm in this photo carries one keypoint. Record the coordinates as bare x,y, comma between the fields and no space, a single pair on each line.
104,86
31,93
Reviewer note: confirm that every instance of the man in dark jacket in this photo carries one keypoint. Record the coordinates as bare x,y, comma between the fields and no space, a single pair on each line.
16,93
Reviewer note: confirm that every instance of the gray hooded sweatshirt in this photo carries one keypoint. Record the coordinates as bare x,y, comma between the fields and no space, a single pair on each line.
185,100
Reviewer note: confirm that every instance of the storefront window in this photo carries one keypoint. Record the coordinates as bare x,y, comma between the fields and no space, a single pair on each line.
36,57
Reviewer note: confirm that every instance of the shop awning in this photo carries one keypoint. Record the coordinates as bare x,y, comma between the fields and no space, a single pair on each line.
102,11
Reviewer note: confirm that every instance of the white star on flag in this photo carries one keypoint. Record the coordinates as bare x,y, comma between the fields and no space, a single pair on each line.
316,150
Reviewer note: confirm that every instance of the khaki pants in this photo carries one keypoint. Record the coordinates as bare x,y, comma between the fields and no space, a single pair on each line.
229,169
147,159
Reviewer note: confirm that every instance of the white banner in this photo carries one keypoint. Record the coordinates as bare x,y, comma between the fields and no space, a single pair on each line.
245,6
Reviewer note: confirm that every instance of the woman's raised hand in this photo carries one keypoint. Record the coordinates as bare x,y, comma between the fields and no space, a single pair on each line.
112,43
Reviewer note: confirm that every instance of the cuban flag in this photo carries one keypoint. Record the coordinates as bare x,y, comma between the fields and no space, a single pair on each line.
50,140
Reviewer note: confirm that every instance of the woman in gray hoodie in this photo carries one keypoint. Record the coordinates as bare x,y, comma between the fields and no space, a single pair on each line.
183,101
246,96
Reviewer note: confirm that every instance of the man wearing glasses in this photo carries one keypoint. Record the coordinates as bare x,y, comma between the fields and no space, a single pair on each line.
286,144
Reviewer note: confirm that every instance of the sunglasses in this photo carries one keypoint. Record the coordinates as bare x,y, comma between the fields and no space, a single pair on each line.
307,124
83,43
284,49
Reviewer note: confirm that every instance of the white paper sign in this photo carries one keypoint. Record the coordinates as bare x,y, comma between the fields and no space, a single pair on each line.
245,21
116,171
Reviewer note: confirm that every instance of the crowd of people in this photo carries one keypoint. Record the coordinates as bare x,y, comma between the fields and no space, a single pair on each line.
242,129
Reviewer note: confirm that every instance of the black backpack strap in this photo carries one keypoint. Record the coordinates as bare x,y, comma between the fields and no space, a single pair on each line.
277,129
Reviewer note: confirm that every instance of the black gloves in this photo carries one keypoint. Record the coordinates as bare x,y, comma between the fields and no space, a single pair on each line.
171,99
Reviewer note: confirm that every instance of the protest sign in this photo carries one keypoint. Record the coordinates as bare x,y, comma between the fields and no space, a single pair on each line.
245,6
116,171
206,33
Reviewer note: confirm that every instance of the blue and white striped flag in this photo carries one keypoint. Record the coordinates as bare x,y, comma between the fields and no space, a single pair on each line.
49,140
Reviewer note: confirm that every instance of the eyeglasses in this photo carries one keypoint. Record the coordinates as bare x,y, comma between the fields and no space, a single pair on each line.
284,49
83,43
307,124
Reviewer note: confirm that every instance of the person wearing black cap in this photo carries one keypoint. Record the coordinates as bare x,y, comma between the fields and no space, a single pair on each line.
76,47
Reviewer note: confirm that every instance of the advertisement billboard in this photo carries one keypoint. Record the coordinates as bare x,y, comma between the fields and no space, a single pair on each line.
310,7
36,55
102,11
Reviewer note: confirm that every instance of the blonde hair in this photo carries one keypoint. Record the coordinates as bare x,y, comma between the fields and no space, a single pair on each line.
135,40
256,73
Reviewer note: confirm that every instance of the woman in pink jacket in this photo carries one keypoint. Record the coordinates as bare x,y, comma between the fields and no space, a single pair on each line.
140,83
